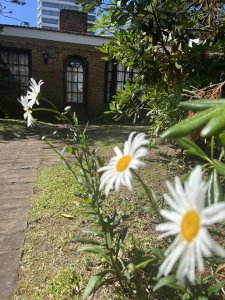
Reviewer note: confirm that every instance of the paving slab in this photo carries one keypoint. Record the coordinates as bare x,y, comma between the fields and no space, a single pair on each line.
19,160
7,286
18,202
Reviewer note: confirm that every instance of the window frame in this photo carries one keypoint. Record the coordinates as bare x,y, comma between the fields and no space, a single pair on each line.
29,65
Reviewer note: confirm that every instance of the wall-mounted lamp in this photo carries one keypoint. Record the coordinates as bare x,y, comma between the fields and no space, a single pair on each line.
45,56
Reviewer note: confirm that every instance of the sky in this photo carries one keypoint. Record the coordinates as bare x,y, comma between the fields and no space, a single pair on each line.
26,13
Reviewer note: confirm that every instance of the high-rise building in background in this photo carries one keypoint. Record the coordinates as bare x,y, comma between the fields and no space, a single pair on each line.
48,12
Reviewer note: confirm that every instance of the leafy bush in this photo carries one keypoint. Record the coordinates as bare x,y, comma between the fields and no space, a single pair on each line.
145,105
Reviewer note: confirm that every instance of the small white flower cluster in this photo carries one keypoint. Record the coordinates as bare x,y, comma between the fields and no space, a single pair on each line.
30,99
187,221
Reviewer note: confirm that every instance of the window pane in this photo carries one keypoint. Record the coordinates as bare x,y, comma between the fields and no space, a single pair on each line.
110,65
75,87
120,67
3,57
80,69
80,87
80,77
22,59
26,71
13,58
75,98
120,76
80,98
68,87
120,85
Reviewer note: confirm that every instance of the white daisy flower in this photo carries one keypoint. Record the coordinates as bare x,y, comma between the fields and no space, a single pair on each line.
118,171
34,91
27,107
188,222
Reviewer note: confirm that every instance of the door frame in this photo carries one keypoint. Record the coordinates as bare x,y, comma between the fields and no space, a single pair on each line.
81,108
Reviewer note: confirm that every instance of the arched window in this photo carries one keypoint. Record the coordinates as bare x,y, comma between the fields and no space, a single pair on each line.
74,81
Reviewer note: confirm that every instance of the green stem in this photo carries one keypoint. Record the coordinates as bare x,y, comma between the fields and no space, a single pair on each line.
150,196
113,262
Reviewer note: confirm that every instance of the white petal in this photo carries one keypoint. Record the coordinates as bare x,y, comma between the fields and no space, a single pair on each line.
117,184
191,269
174,244
168,233
171,202
118,152
213,214
199,258
171,216
140,153
127,178
109,186
171,259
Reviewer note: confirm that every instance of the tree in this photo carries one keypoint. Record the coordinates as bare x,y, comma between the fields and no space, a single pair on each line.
172,43
5,12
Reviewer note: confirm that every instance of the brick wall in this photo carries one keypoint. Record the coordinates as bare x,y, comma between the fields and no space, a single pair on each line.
72,21
53,73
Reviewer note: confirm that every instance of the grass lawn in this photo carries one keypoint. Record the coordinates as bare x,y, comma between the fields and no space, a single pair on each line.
51,266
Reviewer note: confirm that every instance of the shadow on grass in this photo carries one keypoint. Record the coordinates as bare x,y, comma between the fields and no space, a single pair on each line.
105,134
111,134
17,129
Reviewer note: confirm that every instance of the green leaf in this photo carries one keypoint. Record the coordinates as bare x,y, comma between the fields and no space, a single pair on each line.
70,149
92,285
123,18
215,288
191,147
109,238
215,125
190,124
159,253
215,193
185,177
165,281
84,241
222,138
93,232
186,296
94,250
142,261
120,239
219,166
201,104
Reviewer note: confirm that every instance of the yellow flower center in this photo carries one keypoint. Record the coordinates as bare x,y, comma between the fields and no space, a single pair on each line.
190,225
123,163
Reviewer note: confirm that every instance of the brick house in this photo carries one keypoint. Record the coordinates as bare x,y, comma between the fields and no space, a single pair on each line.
66,60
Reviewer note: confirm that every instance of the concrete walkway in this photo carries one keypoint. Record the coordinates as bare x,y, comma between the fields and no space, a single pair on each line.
19,160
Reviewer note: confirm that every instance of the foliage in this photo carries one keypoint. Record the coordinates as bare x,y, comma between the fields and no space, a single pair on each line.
153,106
157,41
